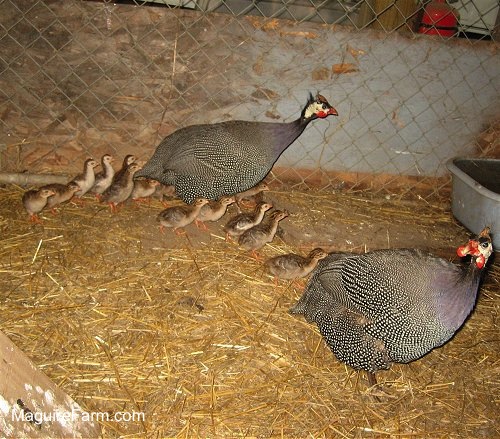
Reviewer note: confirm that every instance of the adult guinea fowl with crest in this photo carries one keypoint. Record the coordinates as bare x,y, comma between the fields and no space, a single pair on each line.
393,305
226,158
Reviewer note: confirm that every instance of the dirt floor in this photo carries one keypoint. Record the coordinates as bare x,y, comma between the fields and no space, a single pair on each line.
191,331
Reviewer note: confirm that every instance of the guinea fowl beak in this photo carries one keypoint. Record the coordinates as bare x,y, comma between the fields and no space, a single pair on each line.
332,111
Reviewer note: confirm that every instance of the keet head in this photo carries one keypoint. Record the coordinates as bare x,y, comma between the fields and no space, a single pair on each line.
262,186
227,200
107,158
46,193
73,186
263,206
152,183
200,201
480,248
278,215
91,163
129,159
318,253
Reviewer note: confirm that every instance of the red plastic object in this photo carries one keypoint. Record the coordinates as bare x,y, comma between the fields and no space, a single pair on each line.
439,19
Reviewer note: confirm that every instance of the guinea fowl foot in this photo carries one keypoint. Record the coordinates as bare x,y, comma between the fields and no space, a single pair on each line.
139,201
256,256
180,232
35,219
113,207
200,224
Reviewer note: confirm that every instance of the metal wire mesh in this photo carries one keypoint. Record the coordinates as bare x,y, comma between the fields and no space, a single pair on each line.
83,78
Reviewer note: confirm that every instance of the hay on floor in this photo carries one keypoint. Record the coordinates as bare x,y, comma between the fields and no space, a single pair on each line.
191,331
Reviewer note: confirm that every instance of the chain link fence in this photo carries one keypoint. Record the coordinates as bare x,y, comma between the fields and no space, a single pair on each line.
415,83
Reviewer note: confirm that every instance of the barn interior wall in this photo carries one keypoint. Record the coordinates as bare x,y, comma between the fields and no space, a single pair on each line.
85,78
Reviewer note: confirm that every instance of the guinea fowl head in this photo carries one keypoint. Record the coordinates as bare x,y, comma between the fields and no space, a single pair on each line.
200,201
263,206
46,193
73,186
317,107
90,163
480,248
317,254
278,215
226,200
128,160
107,158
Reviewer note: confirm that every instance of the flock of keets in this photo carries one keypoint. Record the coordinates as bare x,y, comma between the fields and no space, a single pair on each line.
249,227
384,306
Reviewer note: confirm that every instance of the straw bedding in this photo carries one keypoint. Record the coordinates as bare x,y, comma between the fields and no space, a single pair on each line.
191,331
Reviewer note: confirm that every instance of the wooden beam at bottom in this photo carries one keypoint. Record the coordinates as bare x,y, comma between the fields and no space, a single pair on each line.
31,405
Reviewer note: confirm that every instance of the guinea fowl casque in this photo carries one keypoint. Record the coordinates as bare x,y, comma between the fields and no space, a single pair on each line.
390,306
226,158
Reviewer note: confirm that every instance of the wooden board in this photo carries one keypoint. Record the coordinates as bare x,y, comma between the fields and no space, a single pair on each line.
31,405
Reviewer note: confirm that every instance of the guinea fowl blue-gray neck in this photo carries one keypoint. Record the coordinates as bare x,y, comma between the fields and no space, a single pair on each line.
213,160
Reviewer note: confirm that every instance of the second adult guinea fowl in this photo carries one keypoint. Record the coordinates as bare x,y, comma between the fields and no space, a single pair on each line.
226,158
392,305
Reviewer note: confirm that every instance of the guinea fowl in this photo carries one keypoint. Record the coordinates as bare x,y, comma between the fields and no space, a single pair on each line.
258,236
244,221
127,161
390,306
293,266
86,179
104,178
121,188
62,193
180,216
213,211
253,192
34,201
143,189
229,157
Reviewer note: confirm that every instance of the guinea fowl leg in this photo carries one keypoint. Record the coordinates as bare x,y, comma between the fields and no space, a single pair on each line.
200,224
372,379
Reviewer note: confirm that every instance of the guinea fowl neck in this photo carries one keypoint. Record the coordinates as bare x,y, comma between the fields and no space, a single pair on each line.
460,296
285,133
